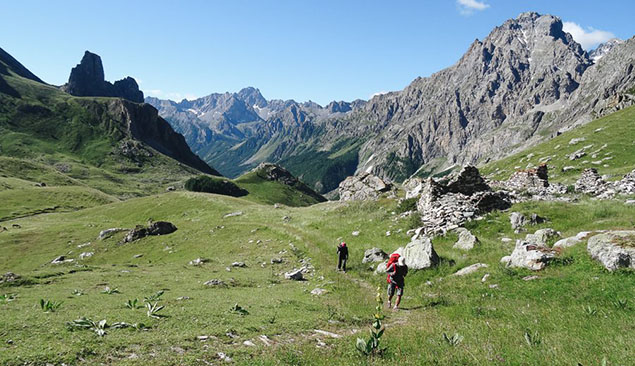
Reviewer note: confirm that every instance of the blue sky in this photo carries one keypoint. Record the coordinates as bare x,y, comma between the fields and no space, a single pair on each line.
302,49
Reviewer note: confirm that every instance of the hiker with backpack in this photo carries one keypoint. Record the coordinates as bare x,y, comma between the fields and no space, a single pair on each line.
396,270
342,252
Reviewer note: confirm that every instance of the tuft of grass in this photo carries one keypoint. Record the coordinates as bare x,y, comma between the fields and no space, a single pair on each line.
110,291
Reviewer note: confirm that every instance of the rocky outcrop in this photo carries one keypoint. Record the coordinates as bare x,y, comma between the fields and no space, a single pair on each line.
518,220
443,210
154,228
276,173
363,187
87,80
614,249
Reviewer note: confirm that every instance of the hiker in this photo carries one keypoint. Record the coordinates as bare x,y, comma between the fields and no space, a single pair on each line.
397,270
342,251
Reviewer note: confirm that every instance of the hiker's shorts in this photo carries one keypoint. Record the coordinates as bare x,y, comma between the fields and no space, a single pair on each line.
393,288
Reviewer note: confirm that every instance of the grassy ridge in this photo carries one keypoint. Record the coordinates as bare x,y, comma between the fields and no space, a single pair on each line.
616,131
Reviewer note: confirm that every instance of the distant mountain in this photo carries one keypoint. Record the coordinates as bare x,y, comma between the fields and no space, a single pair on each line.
87,80
237,131
604,48
528,80
103,142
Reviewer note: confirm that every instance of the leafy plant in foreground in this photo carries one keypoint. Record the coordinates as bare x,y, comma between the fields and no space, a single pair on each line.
132,304
110,291
49,306
239,310
454,340
8,297
532,338
370,347
154,298
153,310
620,303
100,327
590,310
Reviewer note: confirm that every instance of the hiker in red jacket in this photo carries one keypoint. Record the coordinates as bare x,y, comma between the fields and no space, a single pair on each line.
397,270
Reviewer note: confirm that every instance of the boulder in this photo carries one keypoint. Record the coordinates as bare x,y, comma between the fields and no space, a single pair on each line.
276,260
419,253
567,242
105,234
470,269
614,249
413,187
85,255
528,255
466,240
239,264
295,275
542,237
154,228
518,220
374,255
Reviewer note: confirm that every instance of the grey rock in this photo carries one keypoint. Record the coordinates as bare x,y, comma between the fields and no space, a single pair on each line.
528,255
105,234
215,283
420,254
85,255
9,277
154,228
276,260
295,275
374,255
614,249
542,237
466,240
318,291
470,269
197,262
363,187
233,214
567,242
239,264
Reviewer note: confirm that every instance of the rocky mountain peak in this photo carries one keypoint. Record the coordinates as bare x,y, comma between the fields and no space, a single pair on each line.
252,97
604,49
87,80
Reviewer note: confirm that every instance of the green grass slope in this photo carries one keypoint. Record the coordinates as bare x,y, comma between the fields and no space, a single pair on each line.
612,150
265,191
572,310
49,136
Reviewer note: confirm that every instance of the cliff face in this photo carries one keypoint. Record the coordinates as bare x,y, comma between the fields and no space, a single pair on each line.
142,123
87,80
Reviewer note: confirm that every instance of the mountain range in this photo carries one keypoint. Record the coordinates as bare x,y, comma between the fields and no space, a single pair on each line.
527,81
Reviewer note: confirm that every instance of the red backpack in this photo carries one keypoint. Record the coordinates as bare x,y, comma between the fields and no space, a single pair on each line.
391,262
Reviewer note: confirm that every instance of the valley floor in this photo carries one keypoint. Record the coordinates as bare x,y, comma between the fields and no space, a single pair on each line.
575,312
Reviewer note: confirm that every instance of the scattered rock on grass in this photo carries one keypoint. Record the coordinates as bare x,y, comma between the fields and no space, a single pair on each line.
542,237
614,249
529,255
567,242
420,253
154,228
318,291
374,255
105,234
9,277
466,240
239,264
295,275
237,213
85,255
197,262
215,283
470,269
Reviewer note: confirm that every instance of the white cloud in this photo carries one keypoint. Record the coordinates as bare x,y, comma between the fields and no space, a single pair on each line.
588,38
467,7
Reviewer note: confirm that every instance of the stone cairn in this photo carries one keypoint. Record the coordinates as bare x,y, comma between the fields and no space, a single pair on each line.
445,207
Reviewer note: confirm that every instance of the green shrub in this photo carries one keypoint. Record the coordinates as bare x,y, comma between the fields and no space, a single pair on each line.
408,204
207,184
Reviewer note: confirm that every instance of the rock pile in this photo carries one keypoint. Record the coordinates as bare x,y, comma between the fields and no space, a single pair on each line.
9,277
363,187
446,207
529,180
591,183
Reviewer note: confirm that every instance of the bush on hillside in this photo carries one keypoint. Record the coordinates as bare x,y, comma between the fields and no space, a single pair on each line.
207,184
